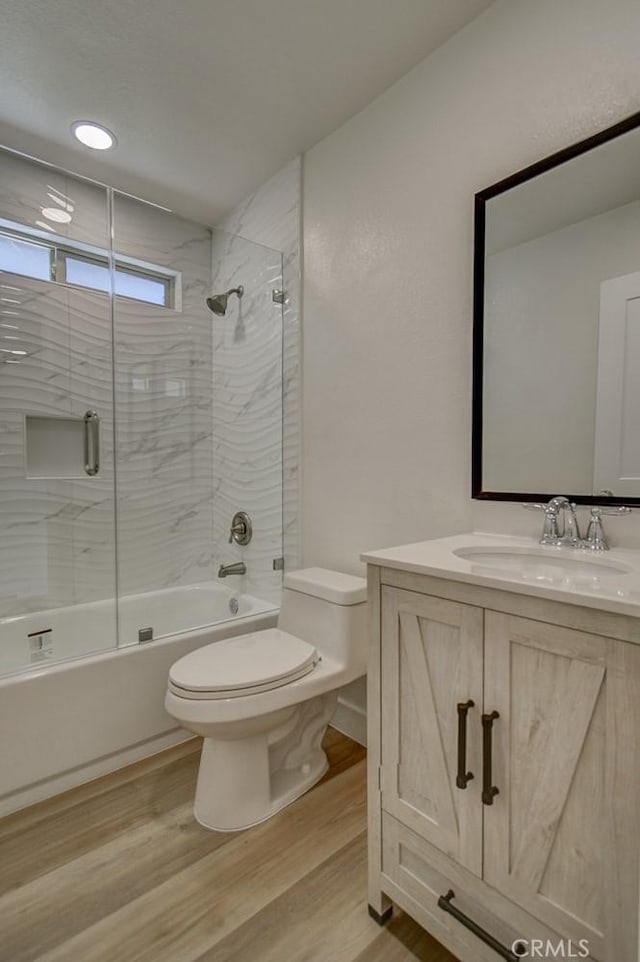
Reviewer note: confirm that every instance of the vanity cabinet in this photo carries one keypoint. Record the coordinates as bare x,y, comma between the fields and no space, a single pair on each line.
504,750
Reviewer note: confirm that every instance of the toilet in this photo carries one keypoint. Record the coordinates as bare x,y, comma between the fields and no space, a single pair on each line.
262,701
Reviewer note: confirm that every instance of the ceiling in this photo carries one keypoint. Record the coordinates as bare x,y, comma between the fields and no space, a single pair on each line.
208,98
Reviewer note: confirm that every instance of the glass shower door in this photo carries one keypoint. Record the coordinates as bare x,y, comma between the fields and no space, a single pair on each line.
247,414
57,506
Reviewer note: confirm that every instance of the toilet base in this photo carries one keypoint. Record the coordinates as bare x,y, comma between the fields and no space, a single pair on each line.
243,781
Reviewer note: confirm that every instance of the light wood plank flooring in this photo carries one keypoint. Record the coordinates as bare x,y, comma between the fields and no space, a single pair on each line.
119,871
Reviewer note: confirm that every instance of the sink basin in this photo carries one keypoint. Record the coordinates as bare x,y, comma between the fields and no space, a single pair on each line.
602,580
543,564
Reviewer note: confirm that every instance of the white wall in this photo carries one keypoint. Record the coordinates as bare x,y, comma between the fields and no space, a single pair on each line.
388,201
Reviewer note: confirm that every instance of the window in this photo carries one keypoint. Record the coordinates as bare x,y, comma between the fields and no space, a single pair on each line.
23,257
50,261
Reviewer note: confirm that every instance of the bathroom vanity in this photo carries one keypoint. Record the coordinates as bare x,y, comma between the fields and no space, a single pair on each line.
504,746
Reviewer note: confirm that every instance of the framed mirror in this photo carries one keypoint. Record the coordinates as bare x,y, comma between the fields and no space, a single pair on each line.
556,354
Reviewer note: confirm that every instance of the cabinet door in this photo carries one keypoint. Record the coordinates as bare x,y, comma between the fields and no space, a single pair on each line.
562,835
431,661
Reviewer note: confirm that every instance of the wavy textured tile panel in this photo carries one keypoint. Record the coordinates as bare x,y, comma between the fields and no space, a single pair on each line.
247,410
27,187
163,409
58,534
199,435
271,216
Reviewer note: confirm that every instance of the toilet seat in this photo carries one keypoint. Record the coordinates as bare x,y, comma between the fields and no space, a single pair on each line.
244,665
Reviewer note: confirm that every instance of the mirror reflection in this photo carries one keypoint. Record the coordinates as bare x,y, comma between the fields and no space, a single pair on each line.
560,313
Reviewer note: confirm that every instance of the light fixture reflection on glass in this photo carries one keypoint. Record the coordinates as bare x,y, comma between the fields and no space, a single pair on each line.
46,226
56,215
93,135
60,199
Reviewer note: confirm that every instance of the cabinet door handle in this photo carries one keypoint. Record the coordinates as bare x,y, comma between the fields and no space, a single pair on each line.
463,775
444,903
489,791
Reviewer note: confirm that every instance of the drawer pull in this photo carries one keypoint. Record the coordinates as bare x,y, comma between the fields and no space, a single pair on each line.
444,902
489,791
463,775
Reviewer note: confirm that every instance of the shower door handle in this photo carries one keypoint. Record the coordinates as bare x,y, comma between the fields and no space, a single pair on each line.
91,428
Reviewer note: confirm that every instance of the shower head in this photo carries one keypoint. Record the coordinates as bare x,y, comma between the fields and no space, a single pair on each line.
218,302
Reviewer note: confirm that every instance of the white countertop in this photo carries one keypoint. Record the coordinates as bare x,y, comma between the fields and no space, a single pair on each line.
606,580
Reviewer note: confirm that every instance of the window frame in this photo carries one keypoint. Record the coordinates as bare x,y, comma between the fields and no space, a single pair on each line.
60,250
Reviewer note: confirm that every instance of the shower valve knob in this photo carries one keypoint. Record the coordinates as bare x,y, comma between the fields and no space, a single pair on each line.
241,528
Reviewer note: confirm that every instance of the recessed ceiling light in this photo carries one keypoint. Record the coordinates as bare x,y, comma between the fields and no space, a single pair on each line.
56,215
93,135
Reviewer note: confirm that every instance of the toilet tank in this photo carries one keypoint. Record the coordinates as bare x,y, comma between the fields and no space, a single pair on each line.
328,609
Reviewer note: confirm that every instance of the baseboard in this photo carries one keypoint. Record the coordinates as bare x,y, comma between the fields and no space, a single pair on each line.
49,787
351,720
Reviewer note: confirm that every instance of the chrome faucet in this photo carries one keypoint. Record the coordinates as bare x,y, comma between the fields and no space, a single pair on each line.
560,523
239,568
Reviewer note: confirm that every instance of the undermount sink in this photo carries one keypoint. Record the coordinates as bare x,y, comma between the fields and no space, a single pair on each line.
543,564
605,580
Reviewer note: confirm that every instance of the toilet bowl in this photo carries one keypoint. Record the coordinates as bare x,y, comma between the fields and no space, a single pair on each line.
262,701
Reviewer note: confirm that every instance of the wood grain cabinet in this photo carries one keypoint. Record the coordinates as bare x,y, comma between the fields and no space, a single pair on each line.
504,767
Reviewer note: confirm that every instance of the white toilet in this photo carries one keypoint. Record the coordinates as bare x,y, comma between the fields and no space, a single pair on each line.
262,701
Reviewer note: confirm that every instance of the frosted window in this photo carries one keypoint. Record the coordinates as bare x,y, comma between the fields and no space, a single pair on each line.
21,257
96,276
141,288
87,274
60,264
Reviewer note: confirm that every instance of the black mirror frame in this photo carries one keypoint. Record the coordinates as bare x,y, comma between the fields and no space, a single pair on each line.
480,200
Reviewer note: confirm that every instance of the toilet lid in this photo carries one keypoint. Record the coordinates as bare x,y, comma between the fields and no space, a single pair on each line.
249,663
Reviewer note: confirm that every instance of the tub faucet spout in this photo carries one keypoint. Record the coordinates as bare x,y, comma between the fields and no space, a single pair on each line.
239,568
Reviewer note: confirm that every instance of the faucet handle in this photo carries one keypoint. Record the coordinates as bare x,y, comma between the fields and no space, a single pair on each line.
551,533
616,511
550,530
241,528
595,539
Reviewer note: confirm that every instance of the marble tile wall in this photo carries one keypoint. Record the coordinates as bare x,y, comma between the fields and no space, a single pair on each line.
271,216
247,410
163,408
57,535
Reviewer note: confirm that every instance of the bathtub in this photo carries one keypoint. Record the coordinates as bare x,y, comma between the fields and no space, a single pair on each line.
40,638
74,707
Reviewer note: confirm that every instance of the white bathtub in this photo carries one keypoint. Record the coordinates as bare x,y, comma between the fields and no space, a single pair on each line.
41,638
88,710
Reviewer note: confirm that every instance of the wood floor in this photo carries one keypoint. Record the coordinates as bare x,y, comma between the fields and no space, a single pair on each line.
119,871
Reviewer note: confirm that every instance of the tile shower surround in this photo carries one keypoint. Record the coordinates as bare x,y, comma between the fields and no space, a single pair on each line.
247,409
163,409
272,216
58,543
